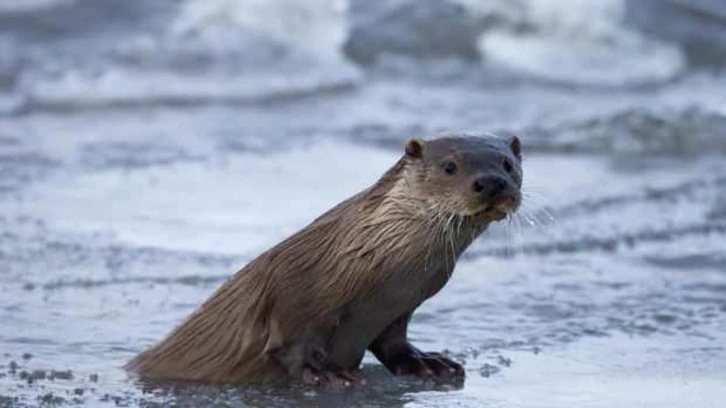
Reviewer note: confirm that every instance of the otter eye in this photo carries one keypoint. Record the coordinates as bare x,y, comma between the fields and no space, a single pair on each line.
508,166
450,167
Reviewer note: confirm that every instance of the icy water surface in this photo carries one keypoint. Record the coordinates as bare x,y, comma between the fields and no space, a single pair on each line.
143,165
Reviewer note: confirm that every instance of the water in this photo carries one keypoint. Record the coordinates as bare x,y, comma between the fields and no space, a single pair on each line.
143,164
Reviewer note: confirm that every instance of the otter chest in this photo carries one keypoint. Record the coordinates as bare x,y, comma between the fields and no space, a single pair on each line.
363,321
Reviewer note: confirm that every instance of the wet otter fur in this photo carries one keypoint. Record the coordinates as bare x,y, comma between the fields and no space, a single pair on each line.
310,307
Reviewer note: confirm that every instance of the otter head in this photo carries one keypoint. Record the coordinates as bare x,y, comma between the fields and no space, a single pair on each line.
474,177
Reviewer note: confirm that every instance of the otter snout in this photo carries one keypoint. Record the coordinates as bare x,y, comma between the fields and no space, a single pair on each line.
489,187
495,193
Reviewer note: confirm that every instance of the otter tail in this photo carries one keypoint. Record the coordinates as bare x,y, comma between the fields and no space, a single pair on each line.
222,341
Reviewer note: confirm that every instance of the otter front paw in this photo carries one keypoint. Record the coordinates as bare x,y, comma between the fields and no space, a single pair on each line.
331,378
408,360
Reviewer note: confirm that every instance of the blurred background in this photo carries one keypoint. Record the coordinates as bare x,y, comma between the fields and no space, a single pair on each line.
149,149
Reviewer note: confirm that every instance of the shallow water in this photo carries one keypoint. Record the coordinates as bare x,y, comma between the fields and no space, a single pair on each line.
125,200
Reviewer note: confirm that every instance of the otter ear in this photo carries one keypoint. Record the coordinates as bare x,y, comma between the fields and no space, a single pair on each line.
414,148
516,146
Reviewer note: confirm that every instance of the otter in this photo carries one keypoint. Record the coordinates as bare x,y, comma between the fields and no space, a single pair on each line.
309,308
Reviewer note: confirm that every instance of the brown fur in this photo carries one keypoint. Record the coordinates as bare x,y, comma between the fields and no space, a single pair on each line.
327,292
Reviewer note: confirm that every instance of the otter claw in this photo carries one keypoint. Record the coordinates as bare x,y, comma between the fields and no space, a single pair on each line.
331,379
410,361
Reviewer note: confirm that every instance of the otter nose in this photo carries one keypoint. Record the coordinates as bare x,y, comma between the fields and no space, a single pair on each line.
490,186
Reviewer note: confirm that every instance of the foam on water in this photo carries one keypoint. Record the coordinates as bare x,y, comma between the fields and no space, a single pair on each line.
209,52
318,26
8,6
582,42
179,198
128,88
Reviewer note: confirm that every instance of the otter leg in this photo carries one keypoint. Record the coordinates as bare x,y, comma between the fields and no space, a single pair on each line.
305,357
392,348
